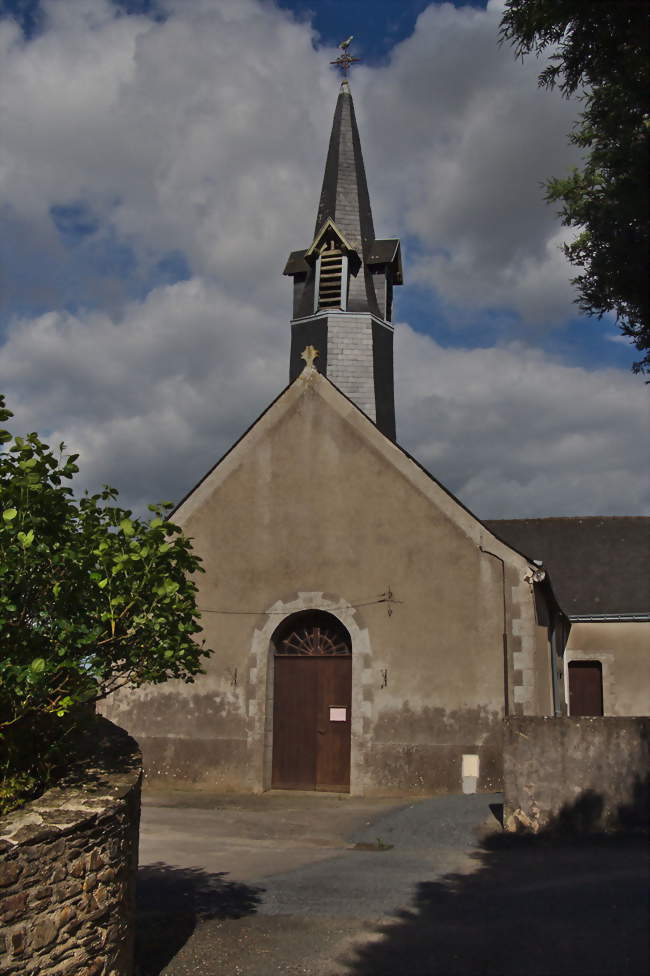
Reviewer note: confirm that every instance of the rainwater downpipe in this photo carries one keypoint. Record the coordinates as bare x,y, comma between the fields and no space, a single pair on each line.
555,660
506,682
558,639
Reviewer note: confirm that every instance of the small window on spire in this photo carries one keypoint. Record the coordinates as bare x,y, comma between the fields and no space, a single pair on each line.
332,275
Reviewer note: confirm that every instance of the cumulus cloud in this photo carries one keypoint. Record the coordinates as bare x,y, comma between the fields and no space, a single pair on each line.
515,433
151,400
186,135
196,144
151,405
473,138
205,134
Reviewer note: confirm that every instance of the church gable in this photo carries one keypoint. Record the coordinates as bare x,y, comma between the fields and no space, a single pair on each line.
315,498
312,431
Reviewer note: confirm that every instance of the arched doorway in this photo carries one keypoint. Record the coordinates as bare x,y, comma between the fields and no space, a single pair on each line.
312,693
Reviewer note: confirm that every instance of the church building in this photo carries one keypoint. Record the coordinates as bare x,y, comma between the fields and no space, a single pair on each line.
369,632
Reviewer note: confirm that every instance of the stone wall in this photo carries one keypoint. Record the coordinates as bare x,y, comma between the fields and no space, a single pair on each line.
577,773
68,862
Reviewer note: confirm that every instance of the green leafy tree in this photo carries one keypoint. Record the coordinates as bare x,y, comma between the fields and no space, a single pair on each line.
600,51
92,599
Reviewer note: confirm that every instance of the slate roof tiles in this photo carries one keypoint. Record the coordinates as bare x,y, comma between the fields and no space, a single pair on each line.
597,565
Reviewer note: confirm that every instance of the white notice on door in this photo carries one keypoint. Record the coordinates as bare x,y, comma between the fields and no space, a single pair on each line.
338,714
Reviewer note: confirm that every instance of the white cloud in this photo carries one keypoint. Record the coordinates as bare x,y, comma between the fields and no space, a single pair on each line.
185,135
515,433
206,134
150,401
472,138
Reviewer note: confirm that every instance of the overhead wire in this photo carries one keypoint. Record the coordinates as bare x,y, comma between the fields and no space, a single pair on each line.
385,598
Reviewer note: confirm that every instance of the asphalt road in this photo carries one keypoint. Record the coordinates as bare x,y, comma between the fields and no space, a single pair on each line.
302,883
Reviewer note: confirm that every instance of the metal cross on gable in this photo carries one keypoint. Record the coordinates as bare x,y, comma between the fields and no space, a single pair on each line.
345,59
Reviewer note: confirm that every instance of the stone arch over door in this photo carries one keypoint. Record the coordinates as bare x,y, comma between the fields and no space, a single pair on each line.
312,695
261,682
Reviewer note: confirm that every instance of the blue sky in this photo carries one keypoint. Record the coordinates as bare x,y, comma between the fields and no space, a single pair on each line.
377,27
160,159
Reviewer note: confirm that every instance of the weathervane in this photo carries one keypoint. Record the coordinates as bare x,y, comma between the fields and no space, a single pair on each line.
345,60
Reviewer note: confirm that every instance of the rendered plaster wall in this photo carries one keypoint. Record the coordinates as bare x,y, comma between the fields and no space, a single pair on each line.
316,509
579,773
68,862
623,649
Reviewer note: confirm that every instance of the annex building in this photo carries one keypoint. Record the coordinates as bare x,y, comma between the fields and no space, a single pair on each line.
369,632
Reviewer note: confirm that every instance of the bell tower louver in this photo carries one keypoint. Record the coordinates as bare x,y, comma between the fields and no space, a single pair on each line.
343,282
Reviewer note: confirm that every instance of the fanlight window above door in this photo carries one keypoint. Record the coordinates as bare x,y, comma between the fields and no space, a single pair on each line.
312,633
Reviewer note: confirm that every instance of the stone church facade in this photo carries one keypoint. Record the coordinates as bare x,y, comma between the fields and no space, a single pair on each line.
369,632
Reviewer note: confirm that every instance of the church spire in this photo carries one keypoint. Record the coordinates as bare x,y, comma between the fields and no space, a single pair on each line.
343,282
344,196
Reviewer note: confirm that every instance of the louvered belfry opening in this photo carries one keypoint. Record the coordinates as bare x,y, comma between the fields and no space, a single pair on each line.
331,277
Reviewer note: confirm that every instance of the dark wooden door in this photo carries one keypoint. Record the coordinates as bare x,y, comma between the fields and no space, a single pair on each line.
295,692
334,693
311,723
585,688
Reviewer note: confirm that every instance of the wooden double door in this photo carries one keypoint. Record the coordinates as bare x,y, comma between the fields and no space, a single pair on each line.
311,722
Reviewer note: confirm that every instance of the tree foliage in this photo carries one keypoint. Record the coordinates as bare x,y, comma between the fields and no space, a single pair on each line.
600,50
91,599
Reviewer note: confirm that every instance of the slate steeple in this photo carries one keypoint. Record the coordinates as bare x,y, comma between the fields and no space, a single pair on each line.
343,282
344,196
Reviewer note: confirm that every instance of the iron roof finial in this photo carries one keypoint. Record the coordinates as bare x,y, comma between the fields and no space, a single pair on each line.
345,59
309,354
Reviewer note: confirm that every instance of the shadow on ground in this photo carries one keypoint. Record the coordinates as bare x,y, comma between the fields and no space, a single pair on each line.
543,906
172,901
